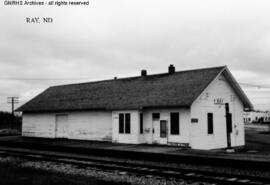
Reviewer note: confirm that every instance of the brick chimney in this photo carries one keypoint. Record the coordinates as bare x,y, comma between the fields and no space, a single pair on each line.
143,72
171,69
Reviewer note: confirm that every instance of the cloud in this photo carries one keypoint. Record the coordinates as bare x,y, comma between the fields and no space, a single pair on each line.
119,38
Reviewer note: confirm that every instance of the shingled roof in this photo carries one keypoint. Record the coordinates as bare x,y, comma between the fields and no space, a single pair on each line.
179,89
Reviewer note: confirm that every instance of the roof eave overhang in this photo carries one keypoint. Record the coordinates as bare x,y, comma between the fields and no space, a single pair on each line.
166,106
107,109
243,97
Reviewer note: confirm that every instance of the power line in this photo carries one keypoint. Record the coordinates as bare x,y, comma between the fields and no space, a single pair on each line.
254,85
260,97
249,84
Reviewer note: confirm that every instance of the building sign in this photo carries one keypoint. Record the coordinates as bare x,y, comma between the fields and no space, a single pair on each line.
147,130
194,120
218,101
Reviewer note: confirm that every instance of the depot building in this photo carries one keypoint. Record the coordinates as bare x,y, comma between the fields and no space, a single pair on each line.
201,109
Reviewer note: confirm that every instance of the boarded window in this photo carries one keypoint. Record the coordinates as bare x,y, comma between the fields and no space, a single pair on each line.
141,123
127,123
155,116
175,123
121,123
210,123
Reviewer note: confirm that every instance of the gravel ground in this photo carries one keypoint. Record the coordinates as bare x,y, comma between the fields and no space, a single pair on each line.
109,176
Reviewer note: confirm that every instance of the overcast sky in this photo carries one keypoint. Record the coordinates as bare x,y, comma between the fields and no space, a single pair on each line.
121,37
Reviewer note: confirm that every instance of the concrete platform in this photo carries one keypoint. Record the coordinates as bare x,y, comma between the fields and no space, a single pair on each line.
82,145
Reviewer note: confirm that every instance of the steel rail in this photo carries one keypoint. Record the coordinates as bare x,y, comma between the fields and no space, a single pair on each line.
140,169
216,161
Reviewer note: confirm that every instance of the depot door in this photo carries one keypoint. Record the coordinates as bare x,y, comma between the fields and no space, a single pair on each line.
156,131
163,132
160,132
61,126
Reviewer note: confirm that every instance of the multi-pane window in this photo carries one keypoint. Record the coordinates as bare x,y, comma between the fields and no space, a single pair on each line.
124,123
210,126
141,123
163,129
175,123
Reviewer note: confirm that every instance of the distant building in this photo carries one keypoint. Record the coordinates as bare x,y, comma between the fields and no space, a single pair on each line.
256,117
201,108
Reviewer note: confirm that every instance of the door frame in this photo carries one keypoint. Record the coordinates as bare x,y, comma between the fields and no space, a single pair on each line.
158,139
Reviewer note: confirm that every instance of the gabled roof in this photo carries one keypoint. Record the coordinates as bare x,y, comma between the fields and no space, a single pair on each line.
179,89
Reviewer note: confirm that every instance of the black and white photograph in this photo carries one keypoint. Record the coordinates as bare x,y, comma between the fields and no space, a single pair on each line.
134,92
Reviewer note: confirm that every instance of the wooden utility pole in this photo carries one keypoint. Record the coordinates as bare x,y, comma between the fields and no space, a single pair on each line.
228,124
12,100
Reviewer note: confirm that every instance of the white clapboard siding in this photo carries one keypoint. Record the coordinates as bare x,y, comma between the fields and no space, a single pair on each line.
199,138
94,125
134,135
38,125
88,125
184,117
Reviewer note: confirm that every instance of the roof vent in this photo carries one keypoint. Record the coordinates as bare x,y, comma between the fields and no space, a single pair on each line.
171,69
115,78
143,72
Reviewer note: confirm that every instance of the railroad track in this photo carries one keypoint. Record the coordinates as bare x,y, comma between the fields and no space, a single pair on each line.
130,168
